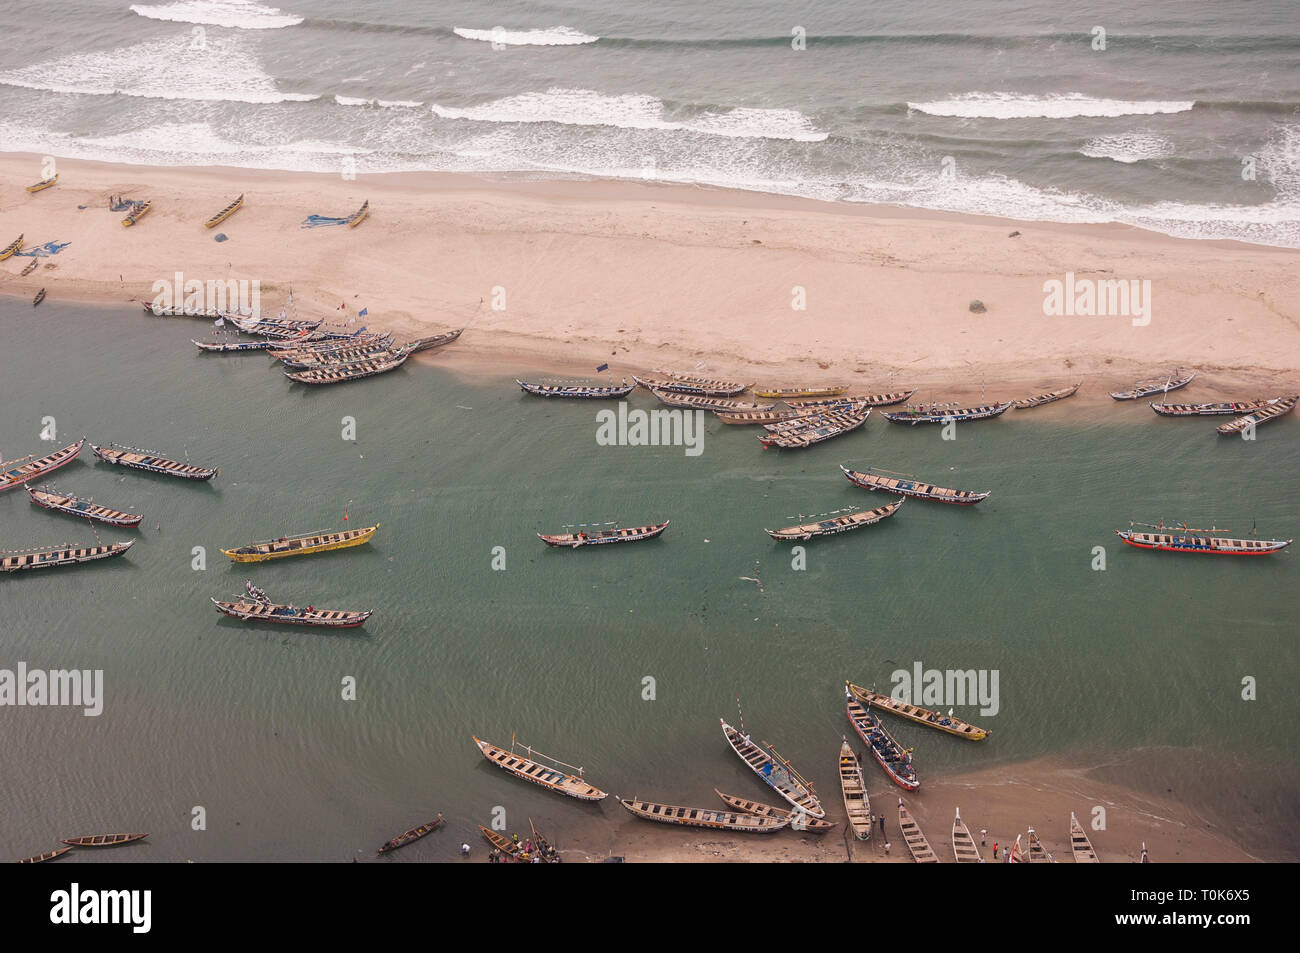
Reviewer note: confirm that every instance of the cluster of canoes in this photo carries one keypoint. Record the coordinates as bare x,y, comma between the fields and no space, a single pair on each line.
92,840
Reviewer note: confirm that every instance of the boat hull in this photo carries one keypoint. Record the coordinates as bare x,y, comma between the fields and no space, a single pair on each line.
17,472
260,557
1169,543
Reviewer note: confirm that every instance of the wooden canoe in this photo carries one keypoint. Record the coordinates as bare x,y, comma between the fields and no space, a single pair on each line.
942,413
225,213
746,417
40,296
349,372
359,215
500,842
17,472
306,544
837,524
61,556
856,802
779,775
912,836
884,747
551,778
86,509
48,855
703,817
630,534
224,347
137,459
907,486
1016,855
43,184
578,391
9,250
346,358
1079,843
29,268
103,840
869,400
1278,408
252,610
1038,854
702,386
1154,386
414,834
1050,397
781,393
138,212
922,716
706,402
963,845
803,432
543,849
1212,410
814,825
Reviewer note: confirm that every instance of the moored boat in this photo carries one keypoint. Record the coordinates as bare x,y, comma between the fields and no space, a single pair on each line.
17,472
87,509
1278,408
578,390
349,372
29,268
356,217
307,350
254,609
773,416
60,556
1079,843
414,834
701,386
945,413
781,393
547,776
304,544
150,462
629,534
963,845
138,211
9,250
1038,854
798,822
1181,539
703,817
1154,385
346,357
775,771
912,836
836,524
705,402
502,843
265,325
103,840
1210,410
922,716
905,486
43,184
433,340
805,431
889,754
856,803
48,855
40,296
222,347
869,400
225,213
1048,398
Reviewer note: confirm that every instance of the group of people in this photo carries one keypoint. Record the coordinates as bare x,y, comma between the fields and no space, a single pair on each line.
525,853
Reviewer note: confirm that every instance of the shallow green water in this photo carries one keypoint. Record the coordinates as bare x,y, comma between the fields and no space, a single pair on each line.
1146,656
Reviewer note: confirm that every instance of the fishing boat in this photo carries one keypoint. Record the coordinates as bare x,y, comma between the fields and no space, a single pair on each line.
304,544
48,855
180,311
251,609
1154,386
580,391
781,393
103,840
547,776
836,524
150,462
286,351
265,326
963,845
40,296
29,268
945,413
1049,398
892,756
703,817
856,803
814,825
599,537
88,509
433,341
223,347
912,836
9,250
1038,854
905,486
1016,855
1279,408
225,213
356,217
349,372
922,716
411,836
346,357
60,556
775,771
502,843
703,402
543,849
17,472
1209,410
815,428
869,400
44,183
701,386
760,416
1079,843
1179,538
138,211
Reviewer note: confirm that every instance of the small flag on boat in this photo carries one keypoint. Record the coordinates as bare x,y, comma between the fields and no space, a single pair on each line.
362,312
603,367
345,516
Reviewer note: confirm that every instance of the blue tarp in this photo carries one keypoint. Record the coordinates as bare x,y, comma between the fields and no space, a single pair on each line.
316,221
43,251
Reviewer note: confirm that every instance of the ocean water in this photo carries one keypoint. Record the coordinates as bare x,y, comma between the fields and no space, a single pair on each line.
1185,123
1138,666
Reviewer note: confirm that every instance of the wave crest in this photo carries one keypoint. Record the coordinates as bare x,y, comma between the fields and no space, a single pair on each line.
234,14
550,36
1059,106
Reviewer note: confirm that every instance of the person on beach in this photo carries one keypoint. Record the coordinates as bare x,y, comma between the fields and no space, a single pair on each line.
995,850
983,834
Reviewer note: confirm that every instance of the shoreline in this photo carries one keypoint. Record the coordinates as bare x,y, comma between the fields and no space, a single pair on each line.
694,279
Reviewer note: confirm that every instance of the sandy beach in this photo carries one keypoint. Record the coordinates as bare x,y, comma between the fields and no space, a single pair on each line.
649,275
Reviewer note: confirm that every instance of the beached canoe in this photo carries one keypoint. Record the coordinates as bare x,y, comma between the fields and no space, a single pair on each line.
1079,843
912,836
43,184
892,756
945,413
1038,854
963,845
29,268
1050,397
544,775
856,803
577,390
867,400
9,250
414,834
1276,409
701,386
17,472
502,843
304,544
781,393
225,213
359,215
1154,385
1211,410
139,211
922,716
104,840
342,373
703,817
775,771
798,821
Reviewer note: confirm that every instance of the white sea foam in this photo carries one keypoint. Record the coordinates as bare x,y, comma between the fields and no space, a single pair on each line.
583,107
385,103
1061,106
221,69
551,36
235,14
1128,148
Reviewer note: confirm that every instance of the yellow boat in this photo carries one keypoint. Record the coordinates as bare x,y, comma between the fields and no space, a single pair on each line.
304,545
779,393
137,213
355,218
44,183
12,247
225,213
